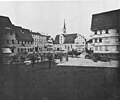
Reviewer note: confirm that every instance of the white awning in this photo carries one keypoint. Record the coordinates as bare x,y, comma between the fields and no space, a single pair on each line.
6,50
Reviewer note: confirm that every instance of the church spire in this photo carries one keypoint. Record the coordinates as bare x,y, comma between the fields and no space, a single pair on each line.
64,28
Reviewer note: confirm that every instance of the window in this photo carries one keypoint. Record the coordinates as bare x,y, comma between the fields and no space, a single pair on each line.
13,41
12,50
96,48
100,31
118,48
77,42
95,40
18,42
106,48
95,32
11,33
7,41
65,46
103,31
118,39
18,50
100,48
100,40
106,31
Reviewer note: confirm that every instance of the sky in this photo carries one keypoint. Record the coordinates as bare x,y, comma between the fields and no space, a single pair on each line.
48,16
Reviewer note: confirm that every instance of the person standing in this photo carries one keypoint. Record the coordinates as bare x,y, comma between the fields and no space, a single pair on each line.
66,56
41,57
60,57
44,58
50,60
33,59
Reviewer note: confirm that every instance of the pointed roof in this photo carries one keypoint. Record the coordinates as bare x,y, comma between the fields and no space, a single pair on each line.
70,38
23,34
56,41
105,20
64,27
5,21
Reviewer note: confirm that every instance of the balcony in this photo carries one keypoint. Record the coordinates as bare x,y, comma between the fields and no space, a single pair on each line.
106,43
105,35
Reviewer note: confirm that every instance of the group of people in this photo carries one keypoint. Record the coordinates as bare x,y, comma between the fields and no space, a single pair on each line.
41,56
49,56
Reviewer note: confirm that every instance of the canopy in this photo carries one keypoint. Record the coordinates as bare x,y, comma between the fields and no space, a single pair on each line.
6,50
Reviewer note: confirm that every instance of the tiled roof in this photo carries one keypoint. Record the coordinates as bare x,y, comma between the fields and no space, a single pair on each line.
106,20
23,34
89,41
69,38
35,33
56,41
5,21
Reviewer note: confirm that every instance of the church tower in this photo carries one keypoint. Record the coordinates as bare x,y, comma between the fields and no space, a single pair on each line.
64,28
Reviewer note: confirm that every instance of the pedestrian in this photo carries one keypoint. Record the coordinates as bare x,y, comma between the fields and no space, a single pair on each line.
41,57
60,57
33,59
66,56
44,58
50,60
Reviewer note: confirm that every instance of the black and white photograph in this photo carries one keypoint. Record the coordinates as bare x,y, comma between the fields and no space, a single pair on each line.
60,50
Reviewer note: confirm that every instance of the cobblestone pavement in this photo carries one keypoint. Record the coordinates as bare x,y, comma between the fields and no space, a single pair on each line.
81,61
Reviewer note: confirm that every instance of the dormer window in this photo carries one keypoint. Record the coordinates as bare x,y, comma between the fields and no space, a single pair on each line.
98,32
22,31
106,31
103,31
95,32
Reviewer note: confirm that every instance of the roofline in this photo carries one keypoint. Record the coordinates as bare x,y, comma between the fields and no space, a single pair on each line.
106,12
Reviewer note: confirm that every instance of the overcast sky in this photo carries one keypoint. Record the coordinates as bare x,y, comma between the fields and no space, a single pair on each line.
48,16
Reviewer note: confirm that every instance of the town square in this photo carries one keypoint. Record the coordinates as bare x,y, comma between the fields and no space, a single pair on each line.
59,50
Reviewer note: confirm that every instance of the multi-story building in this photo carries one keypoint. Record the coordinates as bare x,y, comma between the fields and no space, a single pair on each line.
68,42
106,36
49,44
24,40
89,45
7,35
39,42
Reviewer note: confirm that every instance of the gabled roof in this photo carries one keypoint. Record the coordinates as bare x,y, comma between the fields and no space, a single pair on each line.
5,21
89,41
70,38
35,33
56,41
23,34
106,20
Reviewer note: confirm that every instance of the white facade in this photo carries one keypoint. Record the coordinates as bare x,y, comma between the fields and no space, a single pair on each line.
106,41
79,44
39,41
